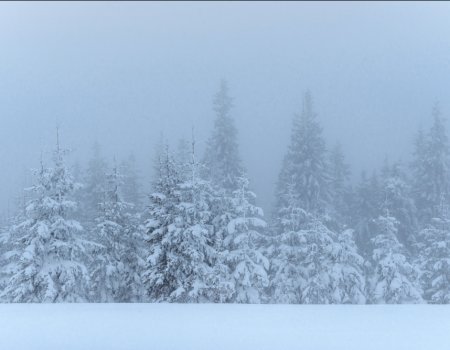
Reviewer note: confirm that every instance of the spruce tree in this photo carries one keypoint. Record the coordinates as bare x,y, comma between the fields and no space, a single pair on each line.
118,261
434,248
285,252
9,255
222,160
394,280
431,168
310,264
243,242
313,265
398,200
348,280
317,263
304,165
50,251
180,238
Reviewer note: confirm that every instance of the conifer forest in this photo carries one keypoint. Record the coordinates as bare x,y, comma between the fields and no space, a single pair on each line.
90,233
229,153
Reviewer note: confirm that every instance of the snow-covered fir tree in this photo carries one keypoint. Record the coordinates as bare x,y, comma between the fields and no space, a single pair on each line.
286,271
222,160
348,279
242,246
8,254
180,237
47,248
305,163
318,245
313,265
394,279
434,248
431,168
438,162
301,257
398,200
118,261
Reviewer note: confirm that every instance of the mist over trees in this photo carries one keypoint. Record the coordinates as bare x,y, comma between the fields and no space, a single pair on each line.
94,234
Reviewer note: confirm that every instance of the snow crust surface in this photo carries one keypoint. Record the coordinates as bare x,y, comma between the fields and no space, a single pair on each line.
227,327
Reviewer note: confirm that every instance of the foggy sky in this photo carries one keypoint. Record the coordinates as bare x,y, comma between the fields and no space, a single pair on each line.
122,73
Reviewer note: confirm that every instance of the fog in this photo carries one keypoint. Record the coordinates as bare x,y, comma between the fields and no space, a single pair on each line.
123,73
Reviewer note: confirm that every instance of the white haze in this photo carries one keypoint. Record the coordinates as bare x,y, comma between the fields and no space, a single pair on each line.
122,73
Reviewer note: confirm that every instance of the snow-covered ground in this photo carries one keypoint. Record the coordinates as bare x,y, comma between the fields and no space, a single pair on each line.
216,327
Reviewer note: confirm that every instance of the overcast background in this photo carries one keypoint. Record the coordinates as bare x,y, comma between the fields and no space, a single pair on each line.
122,73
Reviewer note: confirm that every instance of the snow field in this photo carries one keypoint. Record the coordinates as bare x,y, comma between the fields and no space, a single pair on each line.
227,327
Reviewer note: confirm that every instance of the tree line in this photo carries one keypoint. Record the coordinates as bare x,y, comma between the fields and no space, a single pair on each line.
198,236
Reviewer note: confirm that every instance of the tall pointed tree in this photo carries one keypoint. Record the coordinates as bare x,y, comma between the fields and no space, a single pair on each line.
222,159
180,237
49,246
432,168
304,165
118,261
